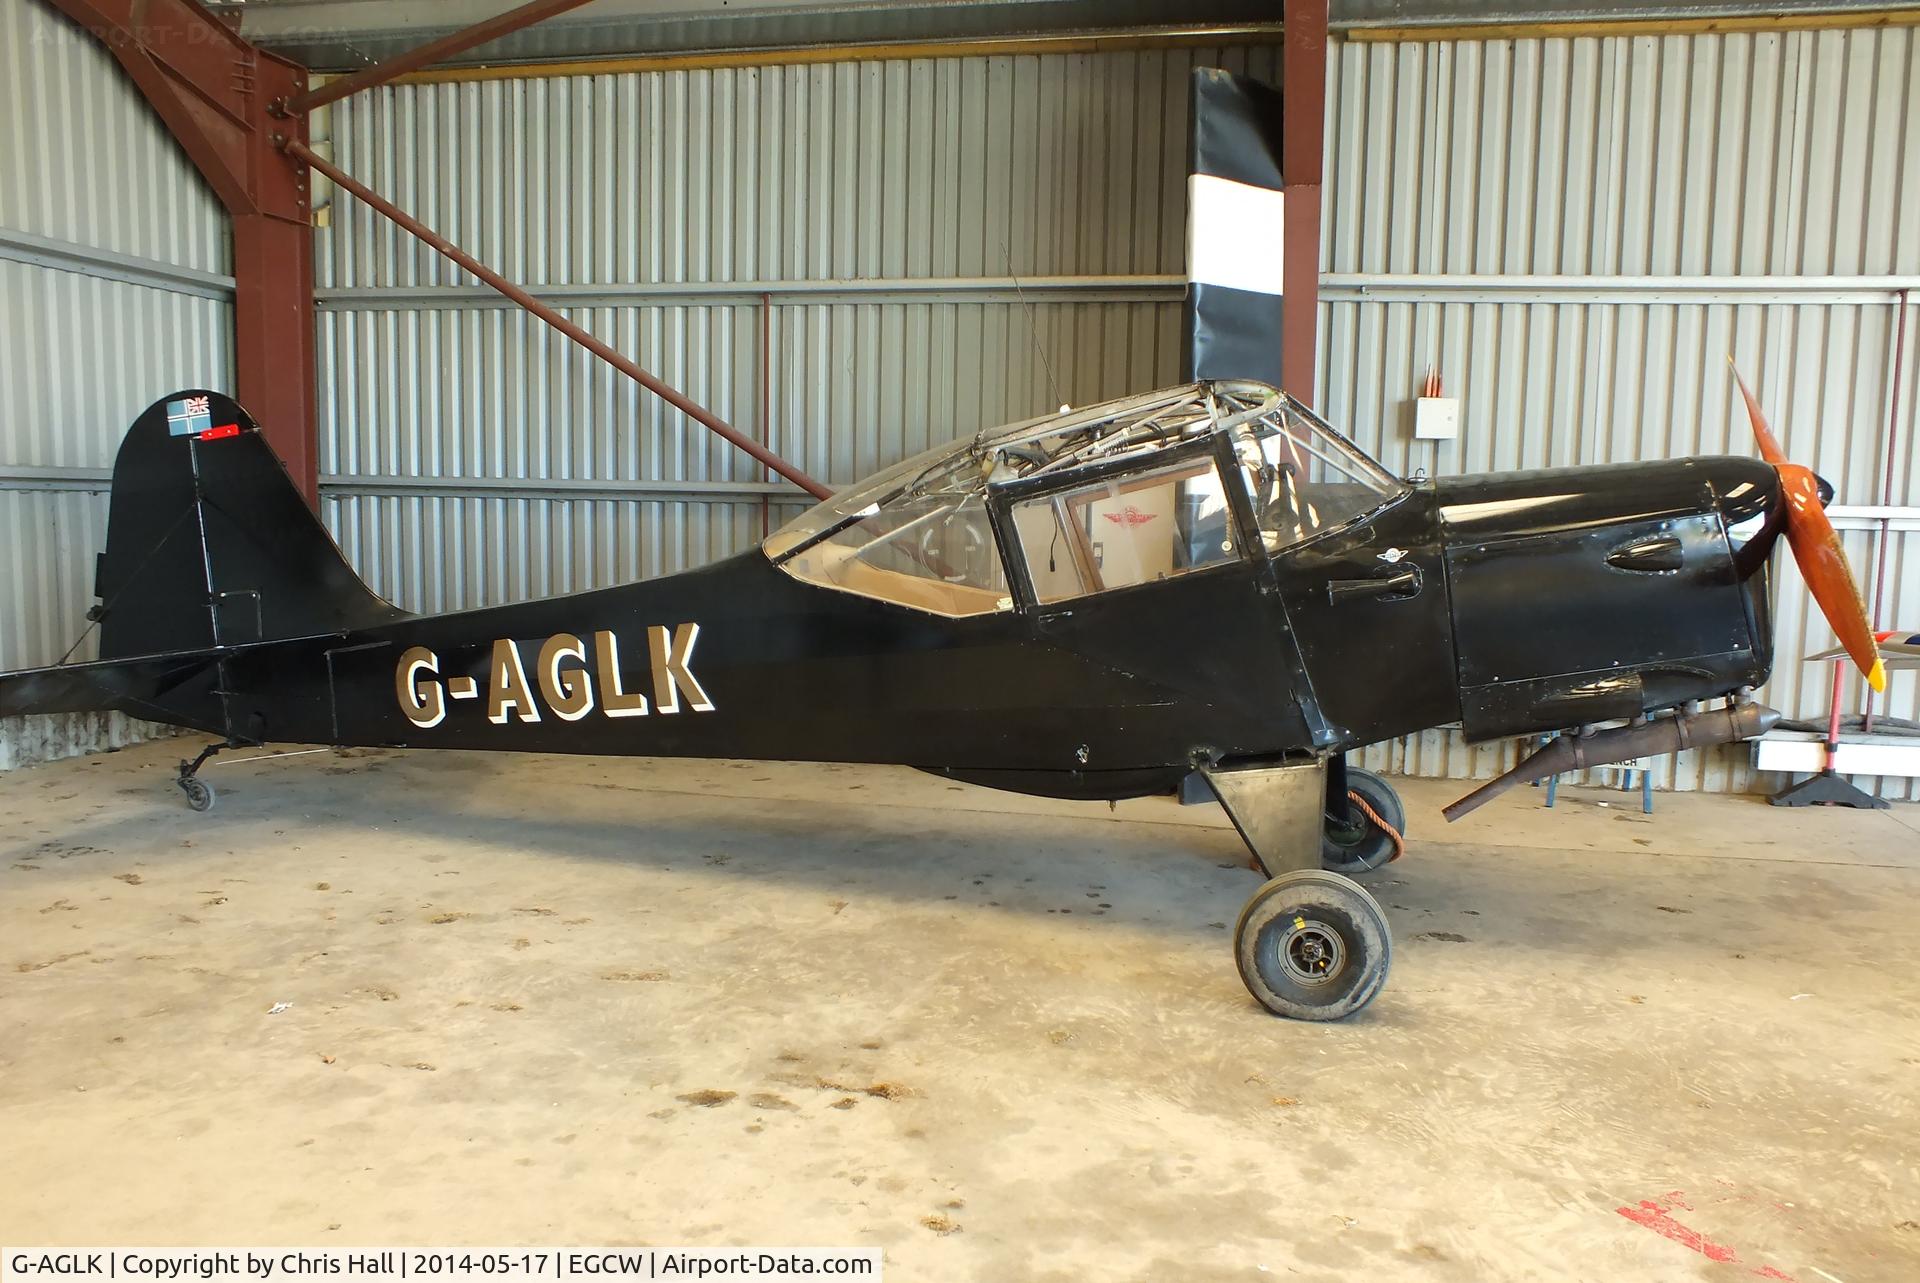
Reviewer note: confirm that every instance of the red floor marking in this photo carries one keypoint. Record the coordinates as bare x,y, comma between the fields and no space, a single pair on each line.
1653,1213
1654,1216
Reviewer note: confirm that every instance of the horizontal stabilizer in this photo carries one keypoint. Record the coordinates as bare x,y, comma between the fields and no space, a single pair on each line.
137,687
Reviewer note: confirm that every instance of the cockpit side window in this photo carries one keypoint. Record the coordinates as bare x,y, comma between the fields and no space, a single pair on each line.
1126,530
933,552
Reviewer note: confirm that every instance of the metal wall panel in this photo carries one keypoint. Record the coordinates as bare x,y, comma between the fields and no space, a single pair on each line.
1045,165
81,356
1690,155
88,178
1588,160
849,387
454,551
85,159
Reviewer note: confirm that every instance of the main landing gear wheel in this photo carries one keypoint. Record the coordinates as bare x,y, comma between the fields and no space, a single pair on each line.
200,794
1353,842
1313,945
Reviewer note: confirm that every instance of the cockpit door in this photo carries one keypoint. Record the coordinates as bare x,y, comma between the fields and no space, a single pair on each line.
1368,606
1150,569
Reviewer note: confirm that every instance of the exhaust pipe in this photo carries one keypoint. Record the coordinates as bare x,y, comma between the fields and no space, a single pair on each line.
1623,743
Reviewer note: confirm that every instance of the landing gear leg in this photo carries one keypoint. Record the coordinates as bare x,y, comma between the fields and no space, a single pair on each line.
200,794
1310,944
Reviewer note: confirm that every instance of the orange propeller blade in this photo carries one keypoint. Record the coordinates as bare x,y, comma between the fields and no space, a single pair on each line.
1816,548
1769,444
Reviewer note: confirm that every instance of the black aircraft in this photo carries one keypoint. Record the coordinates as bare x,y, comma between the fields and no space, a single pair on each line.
1095,604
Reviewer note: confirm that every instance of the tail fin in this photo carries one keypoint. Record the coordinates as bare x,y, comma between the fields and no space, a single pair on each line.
1235,219
210,544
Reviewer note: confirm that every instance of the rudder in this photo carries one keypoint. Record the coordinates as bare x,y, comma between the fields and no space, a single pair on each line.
210,544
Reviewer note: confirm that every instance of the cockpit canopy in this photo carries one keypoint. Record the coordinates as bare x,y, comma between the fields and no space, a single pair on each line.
1105,497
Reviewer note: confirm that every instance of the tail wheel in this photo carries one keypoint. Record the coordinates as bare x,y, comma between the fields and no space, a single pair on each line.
1356,841
200,795
1313,945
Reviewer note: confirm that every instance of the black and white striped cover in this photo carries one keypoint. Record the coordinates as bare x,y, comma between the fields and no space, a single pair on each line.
1235,220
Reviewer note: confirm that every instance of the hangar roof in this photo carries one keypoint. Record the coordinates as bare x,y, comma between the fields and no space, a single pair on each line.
339,35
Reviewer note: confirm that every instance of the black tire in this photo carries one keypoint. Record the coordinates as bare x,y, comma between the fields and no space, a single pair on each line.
1359,845
1313,945
200,794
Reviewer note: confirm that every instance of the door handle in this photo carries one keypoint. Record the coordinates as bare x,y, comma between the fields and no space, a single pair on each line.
1404,582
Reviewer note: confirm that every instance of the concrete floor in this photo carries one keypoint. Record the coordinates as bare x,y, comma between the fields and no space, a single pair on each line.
1613,1046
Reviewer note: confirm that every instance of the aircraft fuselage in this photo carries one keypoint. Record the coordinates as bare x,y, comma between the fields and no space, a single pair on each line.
1511,604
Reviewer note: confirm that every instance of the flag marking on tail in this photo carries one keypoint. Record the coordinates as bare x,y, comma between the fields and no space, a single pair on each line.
190,416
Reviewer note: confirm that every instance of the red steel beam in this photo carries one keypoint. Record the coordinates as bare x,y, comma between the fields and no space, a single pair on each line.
434,51
212,90
672,396
1303,94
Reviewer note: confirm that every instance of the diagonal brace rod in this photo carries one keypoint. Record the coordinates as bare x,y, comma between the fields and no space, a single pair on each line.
672,396
433,51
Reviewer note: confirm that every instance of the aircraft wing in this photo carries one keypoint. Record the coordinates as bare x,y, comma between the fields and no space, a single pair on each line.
124,684
1901,652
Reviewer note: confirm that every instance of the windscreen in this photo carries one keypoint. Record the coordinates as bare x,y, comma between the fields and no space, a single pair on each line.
1304,477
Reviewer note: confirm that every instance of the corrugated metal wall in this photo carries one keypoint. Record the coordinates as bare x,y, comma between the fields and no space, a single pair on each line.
113,289
1550,222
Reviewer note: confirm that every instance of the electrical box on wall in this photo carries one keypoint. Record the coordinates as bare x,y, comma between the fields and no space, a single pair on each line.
1436,418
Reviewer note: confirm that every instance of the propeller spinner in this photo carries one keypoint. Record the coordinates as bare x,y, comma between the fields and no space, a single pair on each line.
1817,549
